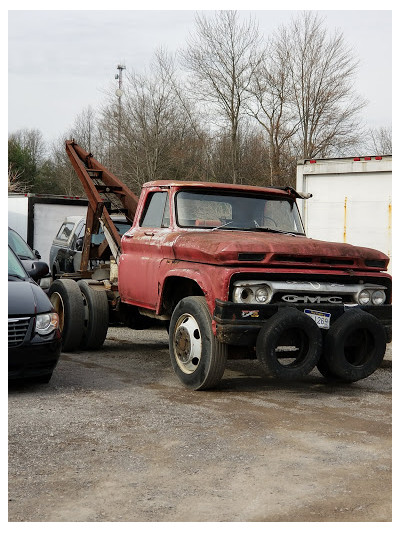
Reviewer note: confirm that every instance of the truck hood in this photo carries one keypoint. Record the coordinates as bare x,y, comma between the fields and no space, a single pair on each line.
227,247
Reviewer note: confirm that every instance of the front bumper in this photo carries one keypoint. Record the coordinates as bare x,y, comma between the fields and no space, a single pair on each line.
239,324
35,357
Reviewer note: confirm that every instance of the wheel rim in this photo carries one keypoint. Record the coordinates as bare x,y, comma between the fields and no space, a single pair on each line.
187,343
58,305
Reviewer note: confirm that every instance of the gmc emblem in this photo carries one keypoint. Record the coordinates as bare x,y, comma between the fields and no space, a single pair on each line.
292,298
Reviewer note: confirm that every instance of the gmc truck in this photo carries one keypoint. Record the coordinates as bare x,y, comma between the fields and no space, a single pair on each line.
231,273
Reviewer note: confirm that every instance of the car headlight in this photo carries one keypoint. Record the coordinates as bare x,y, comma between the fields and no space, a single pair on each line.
251,293
378,297
46,323
262,295
243,295
364,298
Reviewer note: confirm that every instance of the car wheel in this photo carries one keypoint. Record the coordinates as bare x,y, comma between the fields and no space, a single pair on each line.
197,358
289,345
95,322
66,298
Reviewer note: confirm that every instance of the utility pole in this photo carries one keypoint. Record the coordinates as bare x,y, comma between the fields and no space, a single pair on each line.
119,93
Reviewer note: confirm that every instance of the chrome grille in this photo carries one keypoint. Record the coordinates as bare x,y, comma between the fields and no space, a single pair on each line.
17,329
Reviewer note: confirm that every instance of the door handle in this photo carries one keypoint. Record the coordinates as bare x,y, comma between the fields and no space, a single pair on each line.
149,233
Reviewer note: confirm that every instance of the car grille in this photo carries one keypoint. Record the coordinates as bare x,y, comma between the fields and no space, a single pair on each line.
17,329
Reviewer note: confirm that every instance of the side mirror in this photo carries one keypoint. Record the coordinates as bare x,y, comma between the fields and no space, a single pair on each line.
38,270
79,244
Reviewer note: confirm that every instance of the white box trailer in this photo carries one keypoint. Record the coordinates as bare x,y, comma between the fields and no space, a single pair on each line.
351,200
37,217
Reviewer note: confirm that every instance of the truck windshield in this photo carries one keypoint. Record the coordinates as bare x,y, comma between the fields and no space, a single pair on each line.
230,211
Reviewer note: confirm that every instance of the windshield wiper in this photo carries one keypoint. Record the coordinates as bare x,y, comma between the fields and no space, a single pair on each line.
275,230
222,225
256,228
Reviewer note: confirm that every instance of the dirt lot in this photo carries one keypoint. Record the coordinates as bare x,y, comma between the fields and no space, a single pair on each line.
115,437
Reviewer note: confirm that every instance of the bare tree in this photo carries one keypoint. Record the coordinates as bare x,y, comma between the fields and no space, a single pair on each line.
62,169
322,70
15,184
160,136
149,114
85,129
271,106
380,141
222,56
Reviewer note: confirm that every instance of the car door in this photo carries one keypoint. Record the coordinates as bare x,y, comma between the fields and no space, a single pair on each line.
142,251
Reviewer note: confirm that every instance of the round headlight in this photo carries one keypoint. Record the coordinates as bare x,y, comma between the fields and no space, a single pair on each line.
378,297
262,295
364,298
246,294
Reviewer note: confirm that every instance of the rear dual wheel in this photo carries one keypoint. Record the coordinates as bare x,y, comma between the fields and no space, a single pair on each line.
95,321
83,314
66,298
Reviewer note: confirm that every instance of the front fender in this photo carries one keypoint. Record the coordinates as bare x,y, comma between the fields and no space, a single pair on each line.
204,275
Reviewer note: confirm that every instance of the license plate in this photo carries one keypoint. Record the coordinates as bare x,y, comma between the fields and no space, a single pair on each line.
320,318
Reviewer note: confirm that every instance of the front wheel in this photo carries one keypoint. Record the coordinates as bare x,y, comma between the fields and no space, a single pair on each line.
197,358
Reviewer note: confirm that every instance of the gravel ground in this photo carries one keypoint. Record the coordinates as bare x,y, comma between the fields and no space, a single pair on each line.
115,437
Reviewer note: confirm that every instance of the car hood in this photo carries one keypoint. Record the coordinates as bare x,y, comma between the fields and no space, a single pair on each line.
25,298
262,249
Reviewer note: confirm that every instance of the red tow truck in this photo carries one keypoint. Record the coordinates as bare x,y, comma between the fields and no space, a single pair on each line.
231,273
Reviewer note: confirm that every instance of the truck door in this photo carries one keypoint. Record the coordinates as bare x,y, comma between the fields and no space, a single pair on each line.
142,252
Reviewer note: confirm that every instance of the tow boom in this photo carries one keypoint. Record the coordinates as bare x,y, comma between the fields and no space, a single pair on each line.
102,189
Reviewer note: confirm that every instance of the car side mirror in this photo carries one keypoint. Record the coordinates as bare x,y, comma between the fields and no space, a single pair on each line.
79,244
39,269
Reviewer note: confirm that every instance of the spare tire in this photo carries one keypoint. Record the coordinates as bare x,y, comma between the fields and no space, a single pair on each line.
324,369
289,345
355,345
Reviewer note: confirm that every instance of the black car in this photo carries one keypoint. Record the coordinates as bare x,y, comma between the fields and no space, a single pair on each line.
34,338
28,258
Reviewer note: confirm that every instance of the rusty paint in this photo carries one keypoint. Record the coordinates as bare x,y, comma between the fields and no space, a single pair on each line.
345,220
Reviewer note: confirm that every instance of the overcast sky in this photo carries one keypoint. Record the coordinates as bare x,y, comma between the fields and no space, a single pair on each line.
60,62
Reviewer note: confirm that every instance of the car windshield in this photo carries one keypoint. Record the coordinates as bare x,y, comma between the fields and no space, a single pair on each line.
14,266
231,211
19,246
